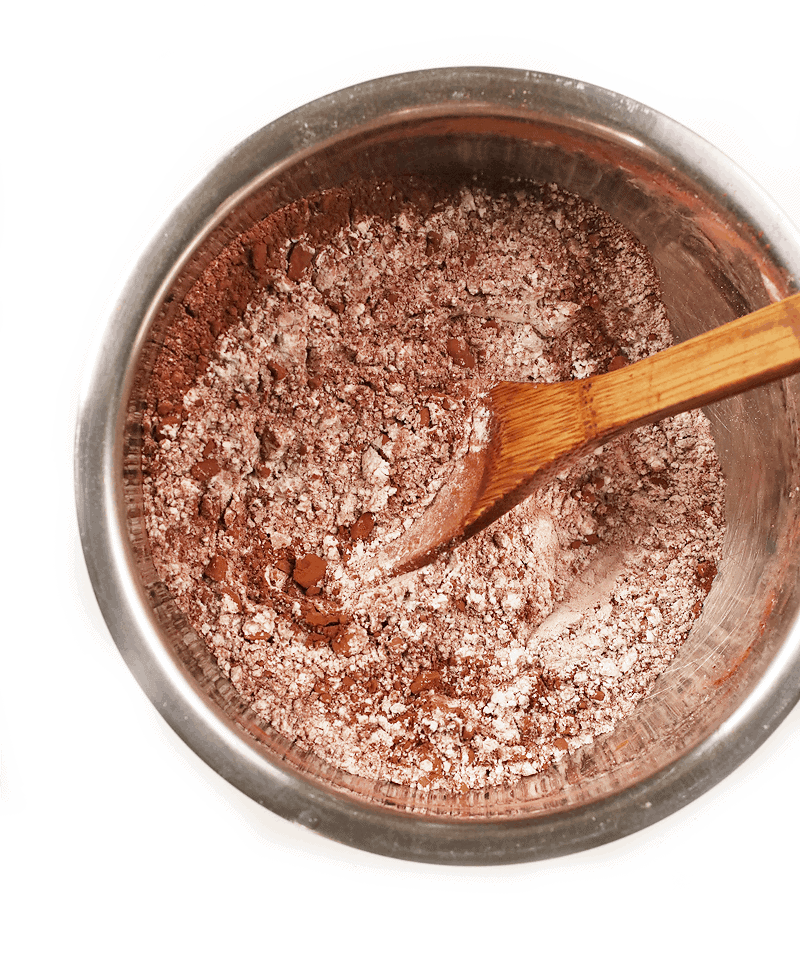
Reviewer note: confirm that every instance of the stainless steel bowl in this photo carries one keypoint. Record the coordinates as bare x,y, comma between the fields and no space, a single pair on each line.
721,247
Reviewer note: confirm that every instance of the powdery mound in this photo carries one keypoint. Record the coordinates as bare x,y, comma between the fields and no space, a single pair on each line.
320,385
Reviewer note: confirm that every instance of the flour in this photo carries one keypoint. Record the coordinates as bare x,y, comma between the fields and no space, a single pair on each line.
321,385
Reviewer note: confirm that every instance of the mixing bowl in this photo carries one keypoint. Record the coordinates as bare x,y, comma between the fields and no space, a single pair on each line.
721,248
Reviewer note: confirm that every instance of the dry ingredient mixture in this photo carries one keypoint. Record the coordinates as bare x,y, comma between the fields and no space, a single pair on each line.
318,387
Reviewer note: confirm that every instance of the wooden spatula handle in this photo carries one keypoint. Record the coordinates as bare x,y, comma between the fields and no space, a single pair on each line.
763,346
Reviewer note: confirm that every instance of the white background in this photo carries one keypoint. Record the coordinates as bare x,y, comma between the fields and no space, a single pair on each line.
118,847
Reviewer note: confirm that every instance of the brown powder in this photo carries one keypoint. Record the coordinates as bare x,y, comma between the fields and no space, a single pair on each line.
322,382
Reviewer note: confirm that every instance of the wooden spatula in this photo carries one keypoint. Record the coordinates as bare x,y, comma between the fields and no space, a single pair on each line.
535,429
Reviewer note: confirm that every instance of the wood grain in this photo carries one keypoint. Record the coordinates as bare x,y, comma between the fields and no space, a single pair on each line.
537,428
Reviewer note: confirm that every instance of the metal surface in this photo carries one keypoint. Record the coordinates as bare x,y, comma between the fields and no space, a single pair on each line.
721,248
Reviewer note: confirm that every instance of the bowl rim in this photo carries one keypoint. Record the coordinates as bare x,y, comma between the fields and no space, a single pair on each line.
102,518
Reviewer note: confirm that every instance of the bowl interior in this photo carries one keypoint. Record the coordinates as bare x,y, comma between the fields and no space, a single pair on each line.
713,267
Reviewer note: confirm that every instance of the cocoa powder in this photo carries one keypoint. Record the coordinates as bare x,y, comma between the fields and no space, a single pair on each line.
322,381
